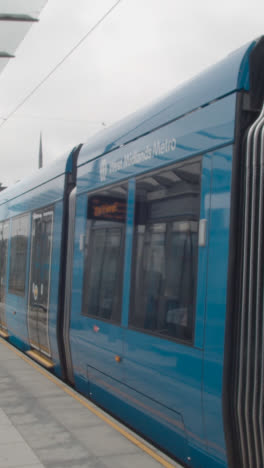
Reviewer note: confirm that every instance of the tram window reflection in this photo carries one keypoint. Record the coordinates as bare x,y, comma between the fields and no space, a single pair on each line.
18,255
164,275
104,252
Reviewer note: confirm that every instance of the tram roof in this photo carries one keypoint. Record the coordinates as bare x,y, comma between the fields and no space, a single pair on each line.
227,76
40,176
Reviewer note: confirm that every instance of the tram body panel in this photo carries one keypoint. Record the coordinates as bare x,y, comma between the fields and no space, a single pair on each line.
135,375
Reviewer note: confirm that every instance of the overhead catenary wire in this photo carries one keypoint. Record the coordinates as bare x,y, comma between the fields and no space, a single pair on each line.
54,69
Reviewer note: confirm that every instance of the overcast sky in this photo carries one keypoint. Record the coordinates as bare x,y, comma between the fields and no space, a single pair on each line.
142,50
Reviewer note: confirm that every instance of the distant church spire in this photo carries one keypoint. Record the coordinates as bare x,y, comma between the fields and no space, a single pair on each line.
40,152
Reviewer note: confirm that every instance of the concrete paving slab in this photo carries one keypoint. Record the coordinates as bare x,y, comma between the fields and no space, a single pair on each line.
17,455
94,436
76,418
4,420
9,436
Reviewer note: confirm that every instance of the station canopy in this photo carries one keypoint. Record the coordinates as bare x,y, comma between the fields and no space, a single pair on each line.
16,18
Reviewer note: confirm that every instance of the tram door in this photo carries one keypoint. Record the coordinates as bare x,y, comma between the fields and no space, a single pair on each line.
39,285
4,227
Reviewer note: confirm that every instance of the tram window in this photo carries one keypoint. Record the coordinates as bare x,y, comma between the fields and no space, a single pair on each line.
4,226
18,255
104,252
4,231
164,274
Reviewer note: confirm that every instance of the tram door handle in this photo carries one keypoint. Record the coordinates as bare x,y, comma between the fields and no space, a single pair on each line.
81,242
202,232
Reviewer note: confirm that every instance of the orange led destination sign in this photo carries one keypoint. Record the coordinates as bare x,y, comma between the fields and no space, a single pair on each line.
106,208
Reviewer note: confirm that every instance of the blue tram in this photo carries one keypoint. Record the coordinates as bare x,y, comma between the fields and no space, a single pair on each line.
133,267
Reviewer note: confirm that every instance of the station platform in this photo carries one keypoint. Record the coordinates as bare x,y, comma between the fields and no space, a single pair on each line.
44,423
